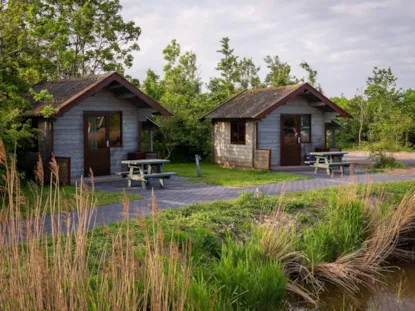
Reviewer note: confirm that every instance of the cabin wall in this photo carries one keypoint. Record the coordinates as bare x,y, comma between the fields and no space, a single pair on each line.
269,128
235,155
69,130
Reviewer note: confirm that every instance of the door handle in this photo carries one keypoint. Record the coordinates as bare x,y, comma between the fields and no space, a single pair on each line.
108,143
299,139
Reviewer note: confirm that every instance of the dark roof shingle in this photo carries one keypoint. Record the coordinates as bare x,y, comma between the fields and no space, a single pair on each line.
257,103
67,93
63,90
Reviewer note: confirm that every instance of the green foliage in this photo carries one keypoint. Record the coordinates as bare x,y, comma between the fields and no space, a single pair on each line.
279,72
312,75
247,280
382,113
183,135
339,232
80,38
383,159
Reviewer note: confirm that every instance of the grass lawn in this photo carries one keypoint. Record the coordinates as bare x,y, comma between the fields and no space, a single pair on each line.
230,177
68,192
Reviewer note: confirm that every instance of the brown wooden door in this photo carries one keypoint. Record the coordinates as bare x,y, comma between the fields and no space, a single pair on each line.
96,144
290,140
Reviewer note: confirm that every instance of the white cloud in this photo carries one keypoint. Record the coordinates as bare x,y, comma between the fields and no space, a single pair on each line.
342,40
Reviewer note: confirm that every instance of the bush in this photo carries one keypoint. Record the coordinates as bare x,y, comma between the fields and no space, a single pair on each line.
382,159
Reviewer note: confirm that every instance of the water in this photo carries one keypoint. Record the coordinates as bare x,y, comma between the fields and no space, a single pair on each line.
395,292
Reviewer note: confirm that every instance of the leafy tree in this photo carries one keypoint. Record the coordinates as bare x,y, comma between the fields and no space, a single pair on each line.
183,135
279,72
228,67
82,37
248,74
18,71
387,118
312,76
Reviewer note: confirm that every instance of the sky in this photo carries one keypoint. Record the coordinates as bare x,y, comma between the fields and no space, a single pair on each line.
343,40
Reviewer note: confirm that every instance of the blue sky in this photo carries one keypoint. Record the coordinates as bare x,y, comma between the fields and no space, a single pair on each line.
343,40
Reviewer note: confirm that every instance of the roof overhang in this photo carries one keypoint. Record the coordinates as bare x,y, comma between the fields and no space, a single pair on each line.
113,79
304,90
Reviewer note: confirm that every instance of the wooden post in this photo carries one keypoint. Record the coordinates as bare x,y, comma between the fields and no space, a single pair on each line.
198,166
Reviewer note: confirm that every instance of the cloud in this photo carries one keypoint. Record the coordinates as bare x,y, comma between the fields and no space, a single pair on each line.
343,40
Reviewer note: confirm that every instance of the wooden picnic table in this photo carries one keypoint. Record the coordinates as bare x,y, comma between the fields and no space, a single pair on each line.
143,170
329,160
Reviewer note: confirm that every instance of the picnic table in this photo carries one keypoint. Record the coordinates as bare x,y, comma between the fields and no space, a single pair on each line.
329,160
143,170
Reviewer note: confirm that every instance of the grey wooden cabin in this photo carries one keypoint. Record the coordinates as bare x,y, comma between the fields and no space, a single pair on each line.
98,123
269,127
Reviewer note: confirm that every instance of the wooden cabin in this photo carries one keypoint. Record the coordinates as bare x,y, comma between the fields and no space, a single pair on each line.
98,123
269,127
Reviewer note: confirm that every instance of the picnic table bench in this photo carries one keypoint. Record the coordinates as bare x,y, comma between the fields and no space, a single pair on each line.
143,170
329,160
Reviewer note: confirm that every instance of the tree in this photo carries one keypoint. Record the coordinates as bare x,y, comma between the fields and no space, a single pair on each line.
279,72
81,37
312,76
182,135
18,70
387,118
248,74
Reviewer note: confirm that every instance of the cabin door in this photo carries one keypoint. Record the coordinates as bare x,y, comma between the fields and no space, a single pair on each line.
290,140
96,144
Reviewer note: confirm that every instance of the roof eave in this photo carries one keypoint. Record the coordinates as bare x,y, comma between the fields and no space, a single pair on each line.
102,83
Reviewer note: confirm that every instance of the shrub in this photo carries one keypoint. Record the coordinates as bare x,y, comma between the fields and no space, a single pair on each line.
248,280
382,159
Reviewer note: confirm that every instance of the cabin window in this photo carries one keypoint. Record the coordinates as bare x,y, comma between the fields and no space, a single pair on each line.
238,133
306,128
115,129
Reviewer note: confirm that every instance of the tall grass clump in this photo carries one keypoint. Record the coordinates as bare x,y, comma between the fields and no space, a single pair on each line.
247,280
341,231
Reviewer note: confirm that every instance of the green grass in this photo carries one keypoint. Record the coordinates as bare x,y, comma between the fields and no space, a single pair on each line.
230,177
68,192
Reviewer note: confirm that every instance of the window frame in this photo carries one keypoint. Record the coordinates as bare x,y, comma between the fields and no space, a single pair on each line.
239,125
309,135
107,115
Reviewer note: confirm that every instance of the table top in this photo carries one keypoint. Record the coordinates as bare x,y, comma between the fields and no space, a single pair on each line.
328,153
145,162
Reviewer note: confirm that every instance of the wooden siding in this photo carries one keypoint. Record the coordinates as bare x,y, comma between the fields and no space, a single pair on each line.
69,135
269,128
235,155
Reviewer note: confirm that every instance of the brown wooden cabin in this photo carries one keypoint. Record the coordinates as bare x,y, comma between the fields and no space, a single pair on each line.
269,127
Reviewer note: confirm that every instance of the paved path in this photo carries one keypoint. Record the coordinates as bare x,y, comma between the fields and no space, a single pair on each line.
179,193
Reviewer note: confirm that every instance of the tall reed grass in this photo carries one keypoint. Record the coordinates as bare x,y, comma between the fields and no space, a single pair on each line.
46,268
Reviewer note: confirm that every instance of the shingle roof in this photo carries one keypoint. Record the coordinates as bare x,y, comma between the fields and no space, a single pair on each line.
249,103
63,90
67,93
257,103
